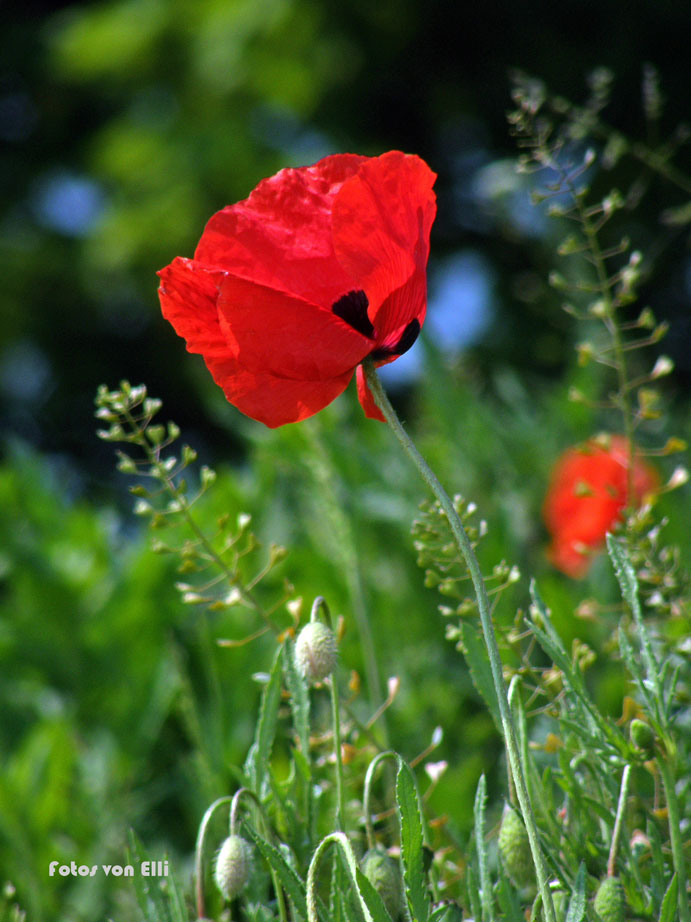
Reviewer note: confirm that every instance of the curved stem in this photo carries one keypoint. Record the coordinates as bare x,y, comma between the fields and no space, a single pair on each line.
340,839
369,828
490,639
199,854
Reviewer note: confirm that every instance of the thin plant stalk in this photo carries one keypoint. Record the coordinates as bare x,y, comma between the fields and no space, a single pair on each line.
320,604
619,821
490,639
324,474
199,854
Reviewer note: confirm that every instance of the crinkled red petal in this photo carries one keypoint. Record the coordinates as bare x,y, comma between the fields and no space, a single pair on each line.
280,236
276,401
188,295
269,330
366,399
381,223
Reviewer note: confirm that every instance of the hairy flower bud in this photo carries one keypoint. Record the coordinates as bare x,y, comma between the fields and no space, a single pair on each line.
233,866
609,904
514,848
315,651
385,876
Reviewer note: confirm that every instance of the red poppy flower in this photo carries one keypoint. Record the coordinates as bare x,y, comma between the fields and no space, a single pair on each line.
290,289
586,497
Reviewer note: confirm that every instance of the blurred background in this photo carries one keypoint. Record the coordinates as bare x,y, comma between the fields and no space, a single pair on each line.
123,126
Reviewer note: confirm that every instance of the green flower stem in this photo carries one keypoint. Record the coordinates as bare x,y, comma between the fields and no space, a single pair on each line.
675,835
619,821
340,839
490,639
369,777
199,854
320,603
325,474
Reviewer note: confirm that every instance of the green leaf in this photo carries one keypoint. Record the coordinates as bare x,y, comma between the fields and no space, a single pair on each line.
290,881
257,762
480,671
626,577
634,667
473,890
669,903
481,846
410,816
625,573
299,699
147,889
577,903
371,898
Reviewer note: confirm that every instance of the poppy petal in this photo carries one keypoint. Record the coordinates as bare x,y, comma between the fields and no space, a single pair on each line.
280,236
269,330
273,400
381,222
365,397
188,294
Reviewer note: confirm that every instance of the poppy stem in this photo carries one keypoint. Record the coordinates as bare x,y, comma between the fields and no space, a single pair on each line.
466,549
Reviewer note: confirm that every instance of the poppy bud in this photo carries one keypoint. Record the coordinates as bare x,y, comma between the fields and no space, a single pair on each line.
315,651
385,876
642,736
233,866
609,902
514,848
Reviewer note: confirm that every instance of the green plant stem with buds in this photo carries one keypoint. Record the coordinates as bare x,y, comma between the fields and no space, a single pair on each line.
490,639
613,329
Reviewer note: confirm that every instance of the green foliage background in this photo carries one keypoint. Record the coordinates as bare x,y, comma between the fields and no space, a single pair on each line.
117,708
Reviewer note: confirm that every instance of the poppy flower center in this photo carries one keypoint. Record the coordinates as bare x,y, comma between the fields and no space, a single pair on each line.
352,308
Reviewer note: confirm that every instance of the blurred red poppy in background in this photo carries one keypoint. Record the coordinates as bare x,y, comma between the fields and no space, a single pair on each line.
290,289
586,497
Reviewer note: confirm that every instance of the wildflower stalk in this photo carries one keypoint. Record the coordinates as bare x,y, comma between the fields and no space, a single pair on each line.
612,325
466,549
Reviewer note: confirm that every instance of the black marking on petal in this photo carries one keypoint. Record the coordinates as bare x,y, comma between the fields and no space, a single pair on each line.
352,308
405,341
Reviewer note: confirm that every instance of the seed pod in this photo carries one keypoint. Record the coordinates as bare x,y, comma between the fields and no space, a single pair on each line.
514,848
610,904
315,651
233,866
642,736
385,876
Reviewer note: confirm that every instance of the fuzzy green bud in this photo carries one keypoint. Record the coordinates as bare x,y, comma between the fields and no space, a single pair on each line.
385,876
514,848
315,651
233,866
642,736
609,904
